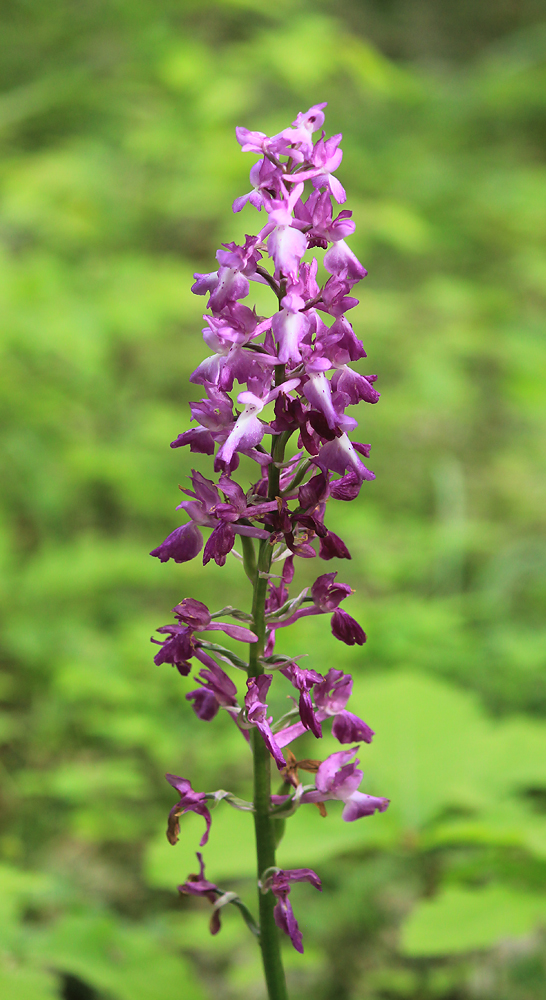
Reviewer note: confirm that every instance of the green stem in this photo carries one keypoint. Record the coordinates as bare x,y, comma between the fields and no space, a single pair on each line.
249,558
264,824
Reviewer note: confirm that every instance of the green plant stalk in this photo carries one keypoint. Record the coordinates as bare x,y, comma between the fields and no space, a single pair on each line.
263,822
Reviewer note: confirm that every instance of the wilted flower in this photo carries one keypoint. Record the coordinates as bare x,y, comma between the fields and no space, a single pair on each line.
279,882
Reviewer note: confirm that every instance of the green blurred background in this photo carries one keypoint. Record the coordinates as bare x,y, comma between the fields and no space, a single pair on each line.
118,169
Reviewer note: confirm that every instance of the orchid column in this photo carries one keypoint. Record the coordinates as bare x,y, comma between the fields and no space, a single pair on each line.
299,360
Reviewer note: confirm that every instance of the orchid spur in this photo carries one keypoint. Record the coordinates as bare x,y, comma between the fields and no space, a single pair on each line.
298,360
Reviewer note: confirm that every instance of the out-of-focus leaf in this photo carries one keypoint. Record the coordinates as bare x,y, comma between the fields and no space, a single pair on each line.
126,961
20,982
463,920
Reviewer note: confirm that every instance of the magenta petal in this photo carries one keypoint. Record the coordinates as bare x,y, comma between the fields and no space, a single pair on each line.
204,703
235,631
289,734
361,804
287,246
193,613
271,744
286,921
182,785
348,728
341,258
329,768
333,547
347,629
182,544
219,544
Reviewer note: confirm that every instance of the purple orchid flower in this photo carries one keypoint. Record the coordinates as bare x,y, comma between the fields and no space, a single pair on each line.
197,616
341,455
280,883
190,801
326,597
256,710
331,696
198,885
356,387
180,647
249,430
338,779
177,649
207,509
340,259
303,680
325,158
217,691
264,176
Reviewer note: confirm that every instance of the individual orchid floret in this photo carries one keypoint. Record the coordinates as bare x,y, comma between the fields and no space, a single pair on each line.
249,430
290,328
311,120
325,157
338,779
334,298
339,344
190,801
217,691
227,284
214,415
340,259
198,885
331,697
326,596
340,455
303,680
177,649
271,146
280,883
356,387
321,228
180,646
227,335
197,616
256,712
207,510
244,258
264,177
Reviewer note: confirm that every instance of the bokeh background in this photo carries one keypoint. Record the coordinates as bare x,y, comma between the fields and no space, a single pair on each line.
118,169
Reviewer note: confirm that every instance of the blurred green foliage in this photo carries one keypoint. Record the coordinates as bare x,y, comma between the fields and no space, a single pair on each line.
118,169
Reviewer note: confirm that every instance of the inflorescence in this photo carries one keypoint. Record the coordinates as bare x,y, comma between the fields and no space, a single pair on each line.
299,362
